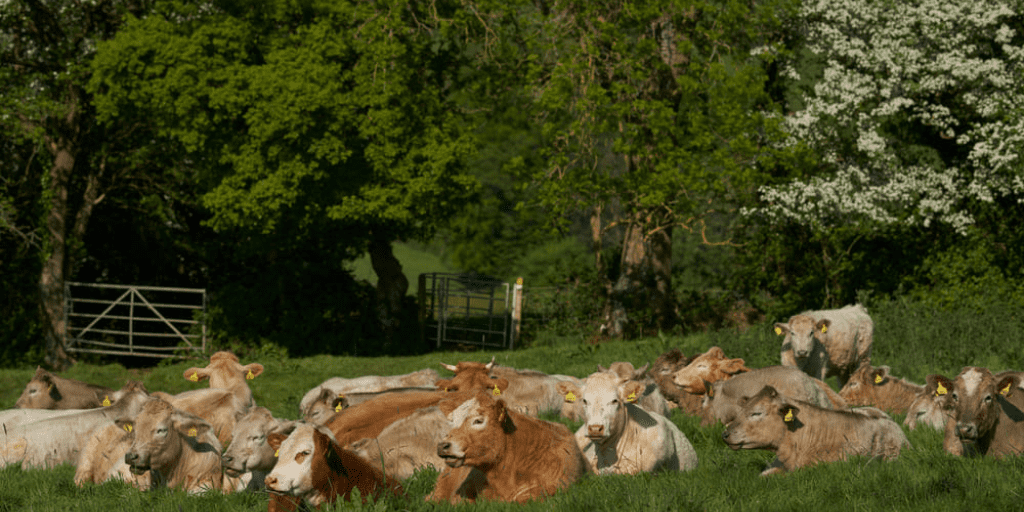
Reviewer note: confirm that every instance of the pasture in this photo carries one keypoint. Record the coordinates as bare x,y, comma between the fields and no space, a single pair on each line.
913,340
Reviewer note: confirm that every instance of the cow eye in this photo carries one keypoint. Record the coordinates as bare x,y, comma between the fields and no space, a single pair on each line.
988,399
161,431
615,402
585,402
32,391
301,456
955,397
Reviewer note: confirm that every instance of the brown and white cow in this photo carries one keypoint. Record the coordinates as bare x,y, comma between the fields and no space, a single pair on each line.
650,397
49,391
709,367
528,391
369,419
249,457
312,467
522,458
663,370
803,434
871,385
177,448
407,444
225,372
986,412
722,402
369,384
60,439
828,342
327,403
620,437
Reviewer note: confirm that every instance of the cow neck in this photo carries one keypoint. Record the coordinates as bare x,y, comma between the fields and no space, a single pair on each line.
1007,434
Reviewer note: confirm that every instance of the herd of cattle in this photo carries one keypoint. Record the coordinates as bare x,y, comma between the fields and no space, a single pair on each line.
480,429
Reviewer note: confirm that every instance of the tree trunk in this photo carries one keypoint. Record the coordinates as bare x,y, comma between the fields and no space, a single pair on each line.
629,288
392,286
661,266
51,280
597,244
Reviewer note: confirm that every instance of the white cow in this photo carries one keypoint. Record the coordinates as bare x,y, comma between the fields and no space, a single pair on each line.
369,384
619,436
249,457
828,342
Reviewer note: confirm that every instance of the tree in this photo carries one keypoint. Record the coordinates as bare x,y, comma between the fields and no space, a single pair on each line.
302,116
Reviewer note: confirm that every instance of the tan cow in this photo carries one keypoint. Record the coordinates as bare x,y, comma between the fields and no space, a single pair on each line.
930,407
49,391
177,448
709,367
369,384
407,444
369,419
650,398
871,385
986,413
327,403
221,408
619,437
528,391
225,372
663,370
60,439
250,457
102,459
803,434
828,342
522,458
722,402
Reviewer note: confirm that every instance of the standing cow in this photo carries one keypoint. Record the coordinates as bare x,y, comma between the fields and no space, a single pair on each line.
828,342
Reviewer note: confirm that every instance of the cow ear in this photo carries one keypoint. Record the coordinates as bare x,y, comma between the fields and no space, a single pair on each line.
196,374
734,366
568,390
822,326
51,387
880,375
325,395
339,402
500,384
632,391
128,425
444,385
938,385
284,428
781,328
190,426
716,352
275,438
788,412
504,418
1007,385
252,370
709,389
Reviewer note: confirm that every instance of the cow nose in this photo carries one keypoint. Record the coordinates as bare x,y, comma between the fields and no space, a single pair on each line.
595,430
725,434
968,430
130,457
270,481
228,459
444,447
801,353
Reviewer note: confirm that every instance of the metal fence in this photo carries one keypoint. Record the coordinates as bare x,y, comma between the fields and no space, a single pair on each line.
465,309
148,321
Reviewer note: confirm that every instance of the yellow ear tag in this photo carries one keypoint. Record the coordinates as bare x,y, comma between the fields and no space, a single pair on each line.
878,379
277,453
445,390
940,390
250,376
49,388
194,377
496,390
1006,390
106,401
192,432
789,415
338,408
631,398
824,329
569,397
128,427
778,330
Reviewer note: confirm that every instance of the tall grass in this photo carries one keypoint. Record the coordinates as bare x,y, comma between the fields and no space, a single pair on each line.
913,340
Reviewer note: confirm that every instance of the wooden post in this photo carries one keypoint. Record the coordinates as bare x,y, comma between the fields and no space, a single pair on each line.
517,311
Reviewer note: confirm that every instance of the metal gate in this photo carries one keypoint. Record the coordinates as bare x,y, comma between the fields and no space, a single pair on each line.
465,309
128,320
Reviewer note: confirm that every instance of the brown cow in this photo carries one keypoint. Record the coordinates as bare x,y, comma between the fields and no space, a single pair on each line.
370,384
49,391
522,458
828,342
803,434
528,391
663,370
721,403
986,412
871,385
313,468
368,419
709,367
225,372
327,403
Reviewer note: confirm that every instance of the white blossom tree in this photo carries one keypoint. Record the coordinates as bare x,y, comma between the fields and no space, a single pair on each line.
916,116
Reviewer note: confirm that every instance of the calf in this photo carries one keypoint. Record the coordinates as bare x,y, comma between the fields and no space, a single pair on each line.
368,419
521,458
803,434
407,444
225,372
871,385
828,342
313,468
327,403
709,367
722,402
177,448
370,384
49,391
986,413
250,456
528,391
621,437
663,370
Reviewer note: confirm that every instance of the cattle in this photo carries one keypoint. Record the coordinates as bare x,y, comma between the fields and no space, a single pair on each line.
528,391
49,391
650,397
225,372
177,448
369,384
315,469
102,459
221,408
871,385
929,407
620,437
327,403
828,342
61,438
709,367
369,419
803,434
986,412
250,456
721,403
663,370
407,444
522,458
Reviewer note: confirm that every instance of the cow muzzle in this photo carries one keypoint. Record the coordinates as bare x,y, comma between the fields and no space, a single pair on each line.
136,464
595,432
967,431
230,467
802,354
451,455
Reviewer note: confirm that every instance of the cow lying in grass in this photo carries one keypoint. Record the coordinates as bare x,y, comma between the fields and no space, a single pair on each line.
527,391
407,444
663,371
803,434
250,457
369,384
722,402
49,391
986,412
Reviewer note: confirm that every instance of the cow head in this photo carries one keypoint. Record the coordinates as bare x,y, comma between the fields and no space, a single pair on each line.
472,376
479,427
326,404
801,333
249,450
605,396
306,456
763,421
711,366
159,434
224,371
974,399
40,393
866,384
930,407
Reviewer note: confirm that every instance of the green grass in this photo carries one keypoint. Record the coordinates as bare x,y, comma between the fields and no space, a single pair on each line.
913,341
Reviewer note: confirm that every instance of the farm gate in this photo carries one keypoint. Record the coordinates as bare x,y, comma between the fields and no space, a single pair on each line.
468,309
148,321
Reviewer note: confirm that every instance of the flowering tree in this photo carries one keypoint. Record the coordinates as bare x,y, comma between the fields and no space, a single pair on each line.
916,116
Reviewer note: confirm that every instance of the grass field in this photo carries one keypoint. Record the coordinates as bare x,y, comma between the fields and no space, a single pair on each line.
912,340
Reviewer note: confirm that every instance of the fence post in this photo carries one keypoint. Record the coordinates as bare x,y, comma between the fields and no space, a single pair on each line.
517,311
